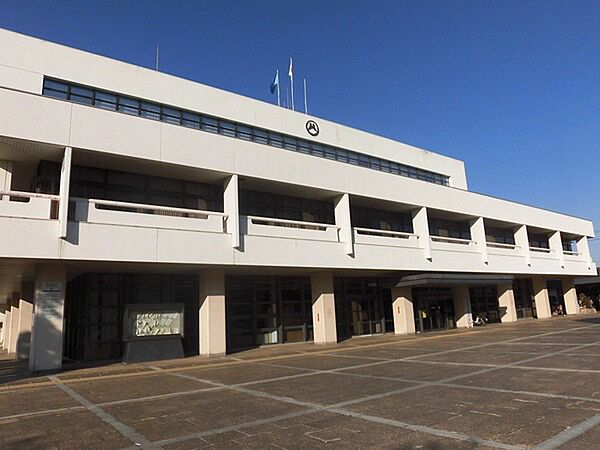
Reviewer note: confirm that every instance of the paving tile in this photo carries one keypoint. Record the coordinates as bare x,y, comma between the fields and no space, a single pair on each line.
72,430
99,391
415,371
513,419
31,400
164,419
242,373
328,389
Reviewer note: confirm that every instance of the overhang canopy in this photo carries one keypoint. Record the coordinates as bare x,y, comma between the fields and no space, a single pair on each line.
452,279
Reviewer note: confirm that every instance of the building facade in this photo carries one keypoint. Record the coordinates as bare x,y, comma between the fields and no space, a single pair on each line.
123,187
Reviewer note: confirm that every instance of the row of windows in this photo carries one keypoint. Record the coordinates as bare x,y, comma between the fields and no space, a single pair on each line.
149,110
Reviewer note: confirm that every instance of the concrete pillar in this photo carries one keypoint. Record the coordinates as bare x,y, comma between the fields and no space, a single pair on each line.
421,229
231,207
477,229
212,326
541,297
402,307
462,307
7,323
555,244
570,296
46,346
506,300
14,329
3,321
342,220
6,169
323,308
24,329
522,241
65,182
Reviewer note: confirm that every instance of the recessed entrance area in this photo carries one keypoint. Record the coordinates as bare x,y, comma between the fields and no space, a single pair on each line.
484,303
434,308
267,310
363,306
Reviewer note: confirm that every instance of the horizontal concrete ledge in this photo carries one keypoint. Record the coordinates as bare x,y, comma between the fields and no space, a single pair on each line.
450,279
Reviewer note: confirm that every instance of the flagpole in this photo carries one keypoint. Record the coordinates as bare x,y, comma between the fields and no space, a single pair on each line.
305,102
157,54
278,95
291,74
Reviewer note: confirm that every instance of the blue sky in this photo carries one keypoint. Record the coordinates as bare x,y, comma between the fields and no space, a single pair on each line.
510,87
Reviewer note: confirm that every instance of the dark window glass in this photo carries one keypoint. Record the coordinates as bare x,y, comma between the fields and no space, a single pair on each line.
275,139
227,128
303,146
209,124
190,120
449,228
289,143
260,136
150,111
244,132
329,152
105,101
129,106
316,149
500,235
171,115
81,95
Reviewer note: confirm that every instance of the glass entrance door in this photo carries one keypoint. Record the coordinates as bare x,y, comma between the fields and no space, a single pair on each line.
363,307
434,309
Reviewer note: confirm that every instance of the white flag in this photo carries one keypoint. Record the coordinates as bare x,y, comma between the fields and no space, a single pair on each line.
291,72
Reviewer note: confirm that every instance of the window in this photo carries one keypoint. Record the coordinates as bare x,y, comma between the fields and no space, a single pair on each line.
106,101
149,110
497,235
449,229
381,220
171,115
190,120
55,89
538,240
81,95
129,106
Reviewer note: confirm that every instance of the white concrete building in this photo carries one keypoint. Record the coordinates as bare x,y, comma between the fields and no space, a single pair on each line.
123,186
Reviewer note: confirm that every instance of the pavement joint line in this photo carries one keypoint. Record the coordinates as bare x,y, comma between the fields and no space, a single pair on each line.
235,361
124,430
570,434
428,430
402,342
335,409
154,369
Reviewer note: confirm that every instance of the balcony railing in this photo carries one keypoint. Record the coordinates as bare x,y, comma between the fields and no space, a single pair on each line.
384,233
110,212
28,205
371,236
540,250
295,229
501,245
571,253
451,240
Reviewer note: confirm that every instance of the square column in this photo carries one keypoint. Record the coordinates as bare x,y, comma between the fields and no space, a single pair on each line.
462,307
421,229
7,323
342,220
402,307
506,300
323,308
47,330
14,329
212,326
231,206
570,296
542,299
24,329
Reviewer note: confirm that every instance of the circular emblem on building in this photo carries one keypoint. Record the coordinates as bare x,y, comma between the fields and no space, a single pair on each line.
312,128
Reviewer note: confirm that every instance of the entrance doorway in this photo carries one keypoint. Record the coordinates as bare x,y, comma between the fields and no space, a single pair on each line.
267,310
363,306
524,302
434,309
556,295
484,303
